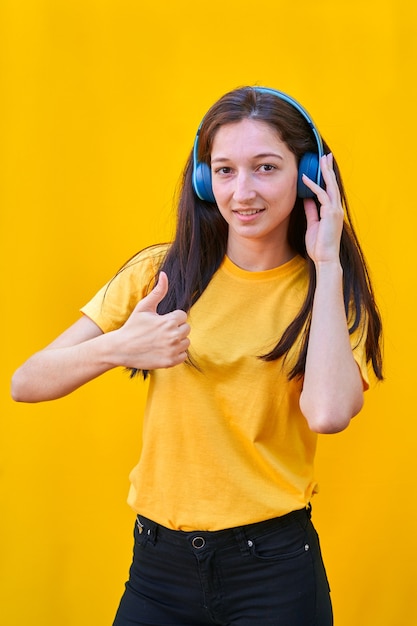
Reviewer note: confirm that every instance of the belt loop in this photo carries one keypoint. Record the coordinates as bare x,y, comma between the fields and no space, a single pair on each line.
307,512
148,529
242,541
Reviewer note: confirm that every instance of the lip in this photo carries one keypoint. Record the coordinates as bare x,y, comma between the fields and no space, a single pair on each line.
247,215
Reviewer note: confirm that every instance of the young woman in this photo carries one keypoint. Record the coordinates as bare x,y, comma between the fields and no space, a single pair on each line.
257,326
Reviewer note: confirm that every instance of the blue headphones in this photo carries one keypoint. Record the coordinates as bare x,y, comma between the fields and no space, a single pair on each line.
309,162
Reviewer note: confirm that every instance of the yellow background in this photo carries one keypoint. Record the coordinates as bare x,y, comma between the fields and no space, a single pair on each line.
100,100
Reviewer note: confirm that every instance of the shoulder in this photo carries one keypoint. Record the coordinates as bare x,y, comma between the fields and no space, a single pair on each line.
142,268
151,257
113,304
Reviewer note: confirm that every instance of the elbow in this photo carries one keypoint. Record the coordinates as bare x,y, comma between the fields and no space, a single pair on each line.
327,420
328,424
16,389
20,390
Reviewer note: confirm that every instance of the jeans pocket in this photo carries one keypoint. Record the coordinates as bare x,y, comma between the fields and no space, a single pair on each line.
283,543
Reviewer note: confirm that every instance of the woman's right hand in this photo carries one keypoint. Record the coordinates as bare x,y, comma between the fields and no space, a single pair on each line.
148,340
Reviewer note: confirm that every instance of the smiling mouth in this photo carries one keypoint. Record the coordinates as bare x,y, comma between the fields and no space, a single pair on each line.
248,211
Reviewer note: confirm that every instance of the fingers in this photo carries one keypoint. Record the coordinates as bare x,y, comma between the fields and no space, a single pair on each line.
177,330
311,211
158,293
331,192
329,176
171,343
324,224
155,340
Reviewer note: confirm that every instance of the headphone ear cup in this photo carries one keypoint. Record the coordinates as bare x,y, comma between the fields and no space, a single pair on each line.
202,182
310,166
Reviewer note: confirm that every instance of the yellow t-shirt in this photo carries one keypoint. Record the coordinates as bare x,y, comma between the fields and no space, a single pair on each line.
225,442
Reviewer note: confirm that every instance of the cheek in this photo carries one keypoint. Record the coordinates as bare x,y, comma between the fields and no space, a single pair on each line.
293,192
222,211
289,188
220,195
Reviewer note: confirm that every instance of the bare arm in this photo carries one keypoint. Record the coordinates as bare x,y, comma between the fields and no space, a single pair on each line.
332,390
146,341
74,358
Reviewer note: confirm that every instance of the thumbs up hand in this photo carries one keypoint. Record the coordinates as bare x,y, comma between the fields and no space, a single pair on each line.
148,340
158,293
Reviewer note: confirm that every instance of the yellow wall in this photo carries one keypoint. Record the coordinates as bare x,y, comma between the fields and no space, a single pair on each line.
100,100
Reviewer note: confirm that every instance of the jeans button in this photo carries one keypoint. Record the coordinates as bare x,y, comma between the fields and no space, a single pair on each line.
198,543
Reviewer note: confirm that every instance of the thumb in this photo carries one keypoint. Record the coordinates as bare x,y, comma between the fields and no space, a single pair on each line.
158,293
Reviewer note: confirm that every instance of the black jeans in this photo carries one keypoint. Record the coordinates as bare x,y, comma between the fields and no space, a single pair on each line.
265,574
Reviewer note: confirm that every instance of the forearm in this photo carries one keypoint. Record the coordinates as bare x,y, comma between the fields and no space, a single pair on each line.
145,341
332,390
57,371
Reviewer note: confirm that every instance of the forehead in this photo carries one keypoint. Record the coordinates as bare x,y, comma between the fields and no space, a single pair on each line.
245,135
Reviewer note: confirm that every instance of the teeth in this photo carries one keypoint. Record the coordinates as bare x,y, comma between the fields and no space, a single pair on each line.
251,212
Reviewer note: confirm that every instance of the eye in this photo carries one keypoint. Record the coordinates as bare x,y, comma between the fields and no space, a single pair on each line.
223,170
267,167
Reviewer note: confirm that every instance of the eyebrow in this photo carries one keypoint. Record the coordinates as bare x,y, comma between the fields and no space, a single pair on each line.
262,155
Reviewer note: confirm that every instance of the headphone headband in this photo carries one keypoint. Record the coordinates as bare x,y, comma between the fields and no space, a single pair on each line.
309,162
286,98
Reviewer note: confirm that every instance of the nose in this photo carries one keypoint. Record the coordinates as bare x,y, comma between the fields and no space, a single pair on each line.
243,191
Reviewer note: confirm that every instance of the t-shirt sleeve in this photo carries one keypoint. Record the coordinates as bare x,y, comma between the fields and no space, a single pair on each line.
113,304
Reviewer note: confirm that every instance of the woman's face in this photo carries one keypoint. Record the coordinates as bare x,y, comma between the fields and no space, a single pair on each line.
254,178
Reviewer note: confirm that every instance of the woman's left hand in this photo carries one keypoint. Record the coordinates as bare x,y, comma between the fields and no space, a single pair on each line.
324,228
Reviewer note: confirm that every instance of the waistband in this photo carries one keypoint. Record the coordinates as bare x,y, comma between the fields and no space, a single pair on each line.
199,539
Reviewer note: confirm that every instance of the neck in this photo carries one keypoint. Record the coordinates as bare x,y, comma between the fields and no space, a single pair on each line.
254,256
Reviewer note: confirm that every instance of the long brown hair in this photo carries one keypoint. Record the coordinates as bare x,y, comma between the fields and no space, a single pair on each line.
201,232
